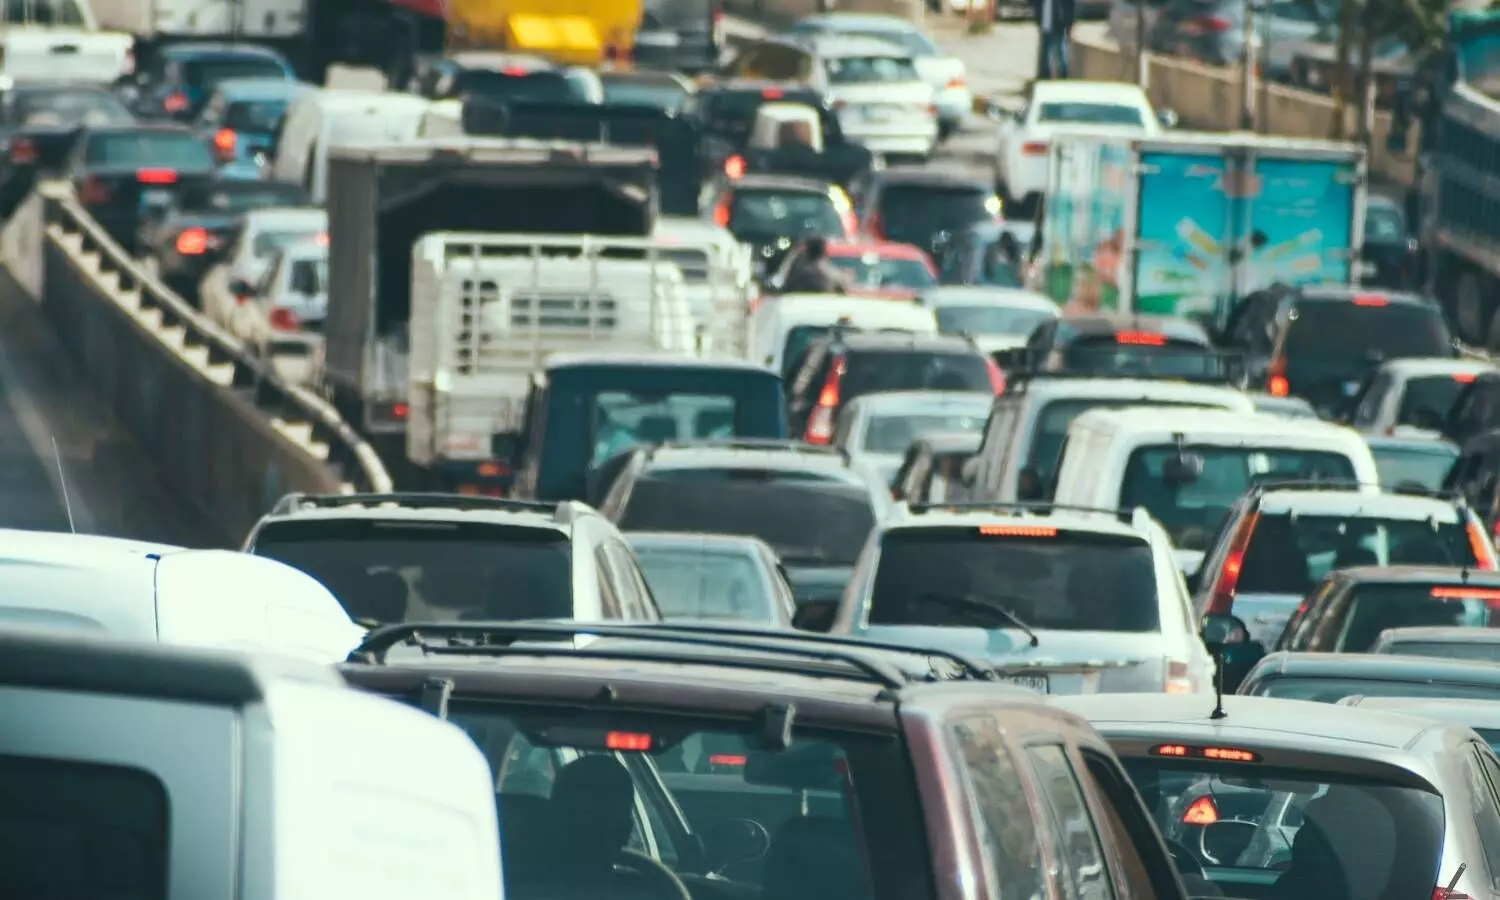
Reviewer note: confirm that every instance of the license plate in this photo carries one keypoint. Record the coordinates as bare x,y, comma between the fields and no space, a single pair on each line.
1037,683
156,198
878,113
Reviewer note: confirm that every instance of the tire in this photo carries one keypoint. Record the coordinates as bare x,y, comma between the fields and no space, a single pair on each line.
1472,310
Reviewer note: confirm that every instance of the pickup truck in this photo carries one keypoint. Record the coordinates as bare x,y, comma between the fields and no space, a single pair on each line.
61,38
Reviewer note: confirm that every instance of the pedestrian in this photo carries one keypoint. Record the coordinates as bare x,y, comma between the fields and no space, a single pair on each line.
1054,22
811,272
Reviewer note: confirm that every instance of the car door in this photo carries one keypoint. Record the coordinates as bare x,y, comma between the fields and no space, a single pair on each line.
997,798
1080,862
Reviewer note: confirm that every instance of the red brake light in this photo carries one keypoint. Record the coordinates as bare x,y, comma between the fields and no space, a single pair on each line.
175,102
1371,300
399,410
997,377
1480,546
820,422
1143,338
1276,383
224,143
515,71
721,215
1170,750
727,759
1201,812
283,319
1229,577
1229,754
772,93
192,242
734,167
321,239
1488,595
1211,23
1042,531
1223,754
23,151
1034,148
156,176
1463,377
627,740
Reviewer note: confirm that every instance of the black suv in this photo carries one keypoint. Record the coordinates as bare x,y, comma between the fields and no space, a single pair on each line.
922,206
676,762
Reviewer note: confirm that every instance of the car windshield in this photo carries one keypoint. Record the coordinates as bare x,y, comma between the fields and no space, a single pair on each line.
1288,553
238,198
1053,421
1414,467
805,522
757,214
704,583
625,419
1090,114
1333,688
429,571
869,69
1470,650
209,71
1341,331
1193,510
258,117
870,270
267,243
576,789
1376,839
1384,225
668,95
1130,354
990,320
65,109
972,577
895,433
44,12
911,370
147,149
1372,608
915,212
1426,400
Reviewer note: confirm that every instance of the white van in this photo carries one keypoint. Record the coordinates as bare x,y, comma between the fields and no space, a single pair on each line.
343,117
132,770
170,595
1189,466
782,325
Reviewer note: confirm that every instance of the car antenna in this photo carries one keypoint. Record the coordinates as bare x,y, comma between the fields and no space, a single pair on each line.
62,482
1218,712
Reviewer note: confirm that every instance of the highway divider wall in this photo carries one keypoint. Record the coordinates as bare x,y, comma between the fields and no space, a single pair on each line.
779,13
227,433
1207,98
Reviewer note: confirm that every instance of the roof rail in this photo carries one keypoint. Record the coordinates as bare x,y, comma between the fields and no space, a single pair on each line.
1024,365
1350,485
748,443
1019,507
498,638
565,511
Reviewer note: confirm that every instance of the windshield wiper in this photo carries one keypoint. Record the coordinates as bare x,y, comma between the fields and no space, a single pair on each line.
991,610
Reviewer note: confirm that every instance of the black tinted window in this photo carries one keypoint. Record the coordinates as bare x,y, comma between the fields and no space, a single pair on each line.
790,214
870,372
1289,554
147,149
934,207
68,108
692,583
1053,421
394,571
965,576
255,116
624,419
1408,467
1384,225
662,94
1425,401
1146,354
205,73
990,319
1344,330
1009,832
1373,608
895,433
240,198
74,831
1089,114
1336,687
537,86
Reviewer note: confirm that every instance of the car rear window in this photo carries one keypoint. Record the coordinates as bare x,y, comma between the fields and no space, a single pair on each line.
870,270
1193,511
624,419
255,116
703,584
1053,421
541,86
874,372
429,570
869,69
1090,114
68,108
1475,651
205,73
894,434
750,475
1414,467
1288,554
989,320
1133,354
1341,330
807,523
667,95
1425,401
238,198
1334,688
147,149
1372,608
1375,839
934,207
1384,225
757,213
976,577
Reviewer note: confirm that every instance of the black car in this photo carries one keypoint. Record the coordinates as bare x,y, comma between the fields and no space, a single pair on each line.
840,160
500,82
184,240
984,253
772,213
727,112
686,35
924,207
122,173
1391,257
1347,612
1123,345
39,122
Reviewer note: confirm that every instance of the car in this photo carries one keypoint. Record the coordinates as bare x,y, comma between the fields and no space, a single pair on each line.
781,764
811,504
664,90
874,268
451,77
1350,608
1419,392
1259,792
257,237
945,73
39,122
986,254
1063,600
145,591
715,578
878,429
679,35
1326,340
1124,345
1214,32
393,558
1291,407
176,82
728,107
584,411
1480,644
181,242
772,212
936,468
798,138
1390,256
1481,715
998,318
1024,437
122,172
835,369
281,316
782,325
1106,108
328,118
1412,462
172,767
1330,677
918,206
241,119
1278,541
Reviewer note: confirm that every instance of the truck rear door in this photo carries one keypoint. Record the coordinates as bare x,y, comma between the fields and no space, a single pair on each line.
1298,221
1183,221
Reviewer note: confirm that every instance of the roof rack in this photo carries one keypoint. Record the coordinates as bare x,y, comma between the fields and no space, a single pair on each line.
1024,365
498,638
566,511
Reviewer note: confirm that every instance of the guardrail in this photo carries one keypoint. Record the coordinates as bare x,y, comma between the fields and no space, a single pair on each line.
1207,98
224,429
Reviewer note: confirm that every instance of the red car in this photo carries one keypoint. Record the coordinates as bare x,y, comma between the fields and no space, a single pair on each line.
879,269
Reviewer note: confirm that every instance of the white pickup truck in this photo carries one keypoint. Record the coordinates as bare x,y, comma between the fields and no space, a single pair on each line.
53,39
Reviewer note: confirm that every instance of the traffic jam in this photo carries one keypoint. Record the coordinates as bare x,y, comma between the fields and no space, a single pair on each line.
780,507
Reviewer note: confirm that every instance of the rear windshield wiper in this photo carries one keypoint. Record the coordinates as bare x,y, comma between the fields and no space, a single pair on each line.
985,609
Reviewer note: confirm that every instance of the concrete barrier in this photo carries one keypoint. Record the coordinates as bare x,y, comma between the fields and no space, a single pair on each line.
225,431
1208,98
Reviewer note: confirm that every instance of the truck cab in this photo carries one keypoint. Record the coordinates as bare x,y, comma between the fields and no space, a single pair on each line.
584,411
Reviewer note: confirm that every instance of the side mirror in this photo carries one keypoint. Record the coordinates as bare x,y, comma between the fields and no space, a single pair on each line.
816,615
1168,118
1228,639
1182,469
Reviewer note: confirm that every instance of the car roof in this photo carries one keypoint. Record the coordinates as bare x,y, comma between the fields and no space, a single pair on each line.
920,401
1473,713
140,127
988,295
561,361
1443,575
1148,390
899,340
960,515
1079,90
1443,634
1171,326
303,250
1379,666
1384,505
792,457
756,85
709,541
58,85
886,249
809,309
1427,366
837,44
1275,430
753,182
416,507
261,88
1381,200
1337,293
1409,442
291,215
859,21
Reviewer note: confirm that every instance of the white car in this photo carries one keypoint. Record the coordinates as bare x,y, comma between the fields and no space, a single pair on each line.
281,317
946,74
998,318
881,100
260,234
1065,107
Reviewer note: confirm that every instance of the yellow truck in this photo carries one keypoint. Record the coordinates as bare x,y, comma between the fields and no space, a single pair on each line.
568,32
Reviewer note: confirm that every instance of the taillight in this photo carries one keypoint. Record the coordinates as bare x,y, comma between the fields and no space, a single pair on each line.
224,143
156,176
23,152
734,167
283,319
721,215
175,102
1276,383
957,81
192,242
1484,551
820,423
876,227
851,224
1202,811
997,377
93,192
1178,679
1222,600
1034,148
